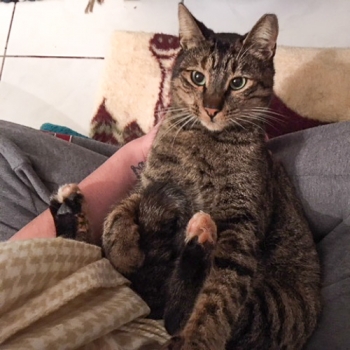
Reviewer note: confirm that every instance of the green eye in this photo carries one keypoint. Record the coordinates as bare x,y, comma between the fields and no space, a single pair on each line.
198,78
238,83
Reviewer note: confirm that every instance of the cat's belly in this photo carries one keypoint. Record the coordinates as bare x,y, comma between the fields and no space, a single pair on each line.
217,179
214,194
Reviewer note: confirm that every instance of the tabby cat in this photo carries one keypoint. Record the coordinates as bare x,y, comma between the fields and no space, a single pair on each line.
214,238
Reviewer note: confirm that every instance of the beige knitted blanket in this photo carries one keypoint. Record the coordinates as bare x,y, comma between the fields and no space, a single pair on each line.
61,294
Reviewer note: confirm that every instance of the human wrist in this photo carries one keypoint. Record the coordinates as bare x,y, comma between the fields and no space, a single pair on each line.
135,154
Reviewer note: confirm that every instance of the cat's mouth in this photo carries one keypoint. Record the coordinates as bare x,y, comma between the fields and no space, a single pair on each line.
213,124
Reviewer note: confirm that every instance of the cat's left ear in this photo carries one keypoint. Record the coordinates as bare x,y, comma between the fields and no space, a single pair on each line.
189,32
261,40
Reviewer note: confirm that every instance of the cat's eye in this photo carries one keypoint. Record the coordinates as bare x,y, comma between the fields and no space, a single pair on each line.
238,83
198,78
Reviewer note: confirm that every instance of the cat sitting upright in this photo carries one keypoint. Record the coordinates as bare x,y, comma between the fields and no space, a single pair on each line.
214,237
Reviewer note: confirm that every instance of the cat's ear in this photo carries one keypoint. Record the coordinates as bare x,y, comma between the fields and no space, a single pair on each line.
189,32
261,40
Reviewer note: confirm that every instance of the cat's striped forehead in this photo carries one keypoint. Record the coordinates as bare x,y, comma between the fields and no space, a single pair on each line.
215,56
221,57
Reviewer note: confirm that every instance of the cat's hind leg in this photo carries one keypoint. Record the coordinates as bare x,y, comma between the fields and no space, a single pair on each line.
66,207
190,271
121,237
141,230
160,215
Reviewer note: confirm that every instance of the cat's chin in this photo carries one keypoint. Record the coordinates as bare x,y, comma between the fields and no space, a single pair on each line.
213,126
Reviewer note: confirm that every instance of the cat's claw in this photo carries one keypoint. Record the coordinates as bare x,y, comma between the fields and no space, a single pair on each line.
201,226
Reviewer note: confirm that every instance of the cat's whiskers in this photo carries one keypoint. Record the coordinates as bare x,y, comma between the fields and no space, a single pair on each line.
188,119
251,117
266,114
269,111
175,125
195,120
170,110
176,116
247,119
266,119
179,119
235,122
257,115
259,118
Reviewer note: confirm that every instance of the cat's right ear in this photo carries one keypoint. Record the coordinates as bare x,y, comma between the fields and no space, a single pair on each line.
189,32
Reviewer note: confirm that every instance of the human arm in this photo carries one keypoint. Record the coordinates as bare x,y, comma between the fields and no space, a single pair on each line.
107,185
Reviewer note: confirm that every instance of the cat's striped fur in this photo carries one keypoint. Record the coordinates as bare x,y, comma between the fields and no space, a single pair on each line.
261,287
256,285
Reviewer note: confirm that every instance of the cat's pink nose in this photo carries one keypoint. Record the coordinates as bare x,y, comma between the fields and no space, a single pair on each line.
212,112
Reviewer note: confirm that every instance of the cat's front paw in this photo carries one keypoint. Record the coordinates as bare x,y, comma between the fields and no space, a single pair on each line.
66,207
68,191
68,199
202,228
120,242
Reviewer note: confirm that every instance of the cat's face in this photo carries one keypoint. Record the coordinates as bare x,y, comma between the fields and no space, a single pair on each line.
222,80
